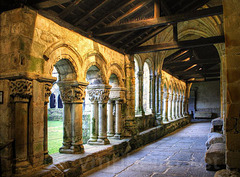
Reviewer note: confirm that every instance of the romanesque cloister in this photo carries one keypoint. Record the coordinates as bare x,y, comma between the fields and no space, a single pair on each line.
137,80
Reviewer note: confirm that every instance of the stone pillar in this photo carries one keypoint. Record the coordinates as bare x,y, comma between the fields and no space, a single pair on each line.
170,106
179,106
140,89
165,106
118,120
47,157
72,94
93,122
156,96
21,91
110,131
173,106
151,94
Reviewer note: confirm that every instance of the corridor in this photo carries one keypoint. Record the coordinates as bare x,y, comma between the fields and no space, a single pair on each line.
179,154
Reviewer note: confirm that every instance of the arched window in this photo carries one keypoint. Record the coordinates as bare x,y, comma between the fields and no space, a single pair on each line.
146,88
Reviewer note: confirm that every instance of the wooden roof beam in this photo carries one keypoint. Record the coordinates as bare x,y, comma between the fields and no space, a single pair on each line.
50,3
178,45
199,62
161,21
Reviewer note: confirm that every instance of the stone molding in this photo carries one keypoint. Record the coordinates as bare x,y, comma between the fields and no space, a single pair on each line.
21,88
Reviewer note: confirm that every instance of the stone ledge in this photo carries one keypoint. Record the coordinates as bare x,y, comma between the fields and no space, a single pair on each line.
77,164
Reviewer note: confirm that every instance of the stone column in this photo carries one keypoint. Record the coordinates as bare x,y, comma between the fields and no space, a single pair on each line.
93,121
140,101
21,91
179,106
118,120
173,106
183,106
170,106
72,94
151,94
47,157
156,96
176,106
165,106
110,131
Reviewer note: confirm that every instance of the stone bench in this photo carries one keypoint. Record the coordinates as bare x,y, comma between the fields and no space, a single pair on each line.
215,157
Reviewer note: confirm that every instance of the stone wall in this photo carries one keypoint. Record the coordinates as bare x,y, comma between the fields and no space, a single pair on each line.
232,30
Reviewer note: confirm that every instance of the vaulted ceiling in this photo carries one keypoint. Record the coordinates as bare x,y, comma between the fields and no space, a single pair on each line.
124,25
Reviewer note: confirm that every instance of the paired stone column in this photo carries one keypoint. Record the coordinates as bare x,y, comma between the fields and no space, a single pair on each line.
47,157
170,106
21,91
110,120
165,106
151,95
99,93
179,106
182,106
72,94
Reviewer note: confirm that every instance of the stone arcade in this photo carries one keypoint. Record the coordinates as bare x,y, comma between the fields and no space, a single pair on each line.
143,72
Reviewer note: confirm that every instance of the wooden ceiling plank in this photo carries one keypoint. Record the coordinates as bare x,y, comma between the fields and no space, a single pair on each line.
199,62
69,9
179,45
131,11
90,13
161,21
50,3
121,6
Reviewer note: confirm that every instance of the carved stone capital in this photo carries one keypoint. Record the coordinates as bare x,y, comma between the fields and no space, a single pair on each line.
117,93
21,88
165,95
72,92
47,90
99,92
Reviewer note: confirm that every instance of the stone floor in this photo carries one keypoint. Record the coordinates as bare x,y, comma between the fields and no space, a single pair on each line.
179,154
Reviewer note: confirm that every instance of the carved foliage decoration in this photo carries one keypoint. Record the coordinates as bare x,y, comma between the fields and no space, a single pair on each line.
21,88
47,89
72,94
101,95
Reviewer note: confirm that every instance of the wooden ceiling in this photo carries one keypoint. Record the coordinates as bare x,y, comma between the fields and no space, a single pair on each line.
124,25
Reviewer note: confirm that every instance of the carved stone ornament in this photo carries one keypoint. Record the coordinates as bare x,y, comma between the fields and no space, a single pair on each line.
165,95
47,89
72,94
101,95
21,88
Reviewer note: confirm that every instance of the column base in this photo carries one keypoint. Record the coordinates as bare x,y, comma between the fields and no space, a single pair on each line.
117,136
47,158
22,167
74,149
110,134
99,142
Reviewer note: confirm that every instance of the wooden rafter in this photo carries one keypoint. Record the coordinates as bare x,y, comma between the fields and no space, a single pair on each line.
69,9
91,12
179,45
161,21
191,62
50,3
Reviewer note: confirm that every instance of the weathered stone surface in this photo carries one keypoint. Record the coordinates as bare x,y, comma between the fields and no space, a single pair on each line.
215,138
226,173
215,155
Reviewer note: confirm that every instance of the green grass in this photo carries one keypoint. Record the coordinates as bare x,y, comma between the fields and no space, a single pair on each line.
55,136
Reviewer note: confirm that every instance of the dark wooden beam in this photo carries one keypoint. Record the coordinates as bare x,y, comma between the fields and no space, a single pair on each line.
161,21
191,62
122,5
204,80
178,45
69,9
91,12
157,8
50,3
131,11
175,32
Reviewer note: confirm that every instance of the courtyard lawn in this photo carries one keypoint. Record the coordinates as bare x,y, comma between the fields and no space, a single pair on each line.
55,136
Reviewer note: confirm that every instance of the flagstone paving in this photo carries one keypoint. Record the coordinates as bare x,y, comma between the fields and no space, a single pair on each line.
179,154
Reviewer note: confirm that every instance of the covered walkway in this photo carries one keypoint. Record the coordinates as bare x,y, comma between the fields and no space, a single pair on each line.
180,154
